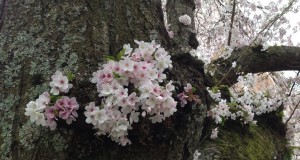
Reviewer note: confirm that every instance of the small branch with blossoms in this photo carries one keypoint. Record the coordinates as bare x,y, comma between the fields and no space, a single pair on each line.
244,106
50,107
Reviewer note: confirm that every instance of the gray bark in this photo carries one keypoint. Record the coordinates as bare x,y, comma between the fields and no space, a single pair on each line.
185,35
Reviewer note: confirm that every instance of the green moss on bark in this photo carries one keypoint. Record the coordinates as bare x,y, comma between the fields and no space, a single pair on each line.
254,142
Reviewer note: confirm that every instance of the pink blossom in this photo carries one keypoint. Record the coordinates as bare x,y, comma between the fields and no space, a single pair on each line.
122,92
155,89
136,57
117,68
67,107
59,83
161,76
132,99
185,19
51,112
170,33
98,77
43,100
51,123
183,98
170,87
188,88
127,64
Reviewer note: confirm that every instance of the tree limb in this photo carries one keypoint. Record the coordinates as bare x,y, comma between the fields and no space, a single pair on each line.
253,60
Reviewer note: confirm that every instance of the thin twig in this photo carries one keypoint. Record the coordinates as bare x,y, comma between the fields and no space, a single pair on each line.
292,113
271,22
231,23
293,84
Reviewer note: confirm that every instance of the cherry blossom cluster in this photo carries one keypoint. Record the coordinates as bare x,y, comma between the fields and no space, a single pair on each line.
244,105
48,108
247,101
131,86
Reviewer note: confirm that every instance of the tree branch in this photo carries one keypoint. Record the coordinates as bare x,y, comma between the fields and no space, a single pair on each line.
253,60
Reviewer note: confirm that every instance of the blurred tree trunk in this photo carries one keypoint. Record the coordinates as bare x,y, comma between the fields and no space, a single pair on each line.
38,37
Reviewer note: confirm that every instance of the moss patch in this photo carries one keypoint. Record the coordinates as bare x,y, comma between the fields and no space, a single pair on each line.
255,142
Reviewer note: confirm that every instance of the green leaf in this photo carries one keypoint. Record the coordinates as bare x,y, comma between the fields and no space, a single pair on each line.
116,75
232,104
267,94
70,76
245,114
223,121
215,89
234,109
109,58
121,54
194,89
54,98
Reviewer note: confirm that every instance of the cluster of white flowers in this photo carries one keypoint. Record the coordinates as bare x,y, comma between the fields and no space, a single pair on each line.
185,19
130,86
46,113
244,105
35,109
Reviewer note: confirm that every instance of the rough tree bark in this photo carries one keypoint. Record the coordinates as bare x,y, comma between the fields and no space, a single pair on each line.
39,37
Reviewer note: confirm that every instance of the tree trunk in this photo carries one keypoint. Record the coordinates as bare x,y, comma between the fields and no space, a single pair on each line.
39,37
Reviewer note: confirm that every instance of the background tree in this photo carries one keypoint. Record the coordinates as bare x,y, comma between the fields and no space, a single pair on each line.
39,37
